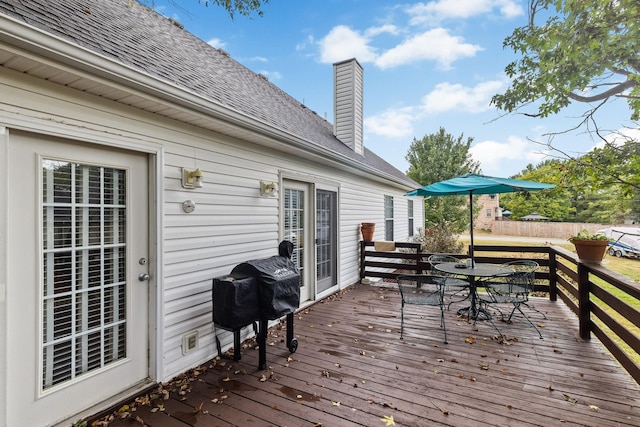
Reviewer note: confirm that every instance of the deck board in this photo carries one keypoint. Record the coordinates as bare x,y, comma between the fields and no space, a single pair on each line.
351,369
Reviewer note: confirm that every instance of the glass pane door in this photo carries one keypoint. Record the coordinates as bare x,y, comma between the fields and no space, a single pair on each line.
326,239
84,259
294,226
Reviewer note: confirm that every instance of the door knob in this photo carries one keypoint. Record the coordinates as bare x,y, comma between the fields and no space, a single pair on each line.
143,277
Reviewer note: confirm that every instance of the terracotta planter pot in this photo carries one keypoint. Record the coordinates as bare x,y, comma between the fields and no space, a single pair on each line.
367,229
590,250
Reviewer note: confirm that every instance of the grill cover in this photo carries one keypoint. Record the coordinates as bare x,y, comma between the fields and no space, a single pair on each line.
235,301
278,284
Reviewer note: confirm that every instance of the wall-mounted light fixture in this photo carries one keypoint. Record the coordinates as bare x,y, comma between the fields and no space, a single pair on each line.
268,189
192,178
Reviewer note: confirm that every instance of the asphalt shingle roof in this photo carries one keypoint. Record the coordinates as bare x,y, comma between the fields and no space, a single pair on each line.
132,34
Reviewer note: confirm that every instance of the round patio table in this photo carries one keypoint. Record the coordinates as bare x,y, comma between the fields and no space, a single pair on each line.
479,270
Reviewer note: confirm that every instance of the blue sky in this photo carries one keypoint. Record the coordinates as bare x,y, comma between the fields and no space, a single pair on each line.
426,65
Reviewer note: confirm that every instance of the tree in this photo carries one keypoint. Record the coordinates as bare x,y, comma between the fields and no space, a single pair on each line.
437,157
580,51
567,201
242,7
587,52
556,203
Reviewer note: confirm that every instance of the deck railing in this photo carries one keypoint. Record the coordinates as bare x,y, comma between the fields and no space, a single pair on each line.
606,303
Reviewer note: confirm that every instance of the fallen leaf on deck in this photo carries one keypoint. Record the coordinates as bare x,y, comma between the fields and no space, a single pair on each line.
469,340
388,420
569,398
335,403
444,411
594,407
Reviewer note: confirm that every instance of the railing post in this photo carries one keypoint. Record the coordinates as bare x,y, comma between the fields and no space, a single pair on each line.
553,271
361,259
584,302
419,269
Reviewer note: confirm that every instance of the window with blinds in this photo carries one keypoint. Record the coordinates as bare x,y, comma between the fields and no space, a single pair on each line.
84,269
388,218
294,226
410,217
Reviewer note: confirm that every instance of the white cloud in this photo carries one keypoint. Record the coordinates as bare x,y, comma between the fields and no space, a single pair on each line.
388,28
435,11
303,45
437,45
259,59
516,152
392,123
448,97
621,136
217,43
343,43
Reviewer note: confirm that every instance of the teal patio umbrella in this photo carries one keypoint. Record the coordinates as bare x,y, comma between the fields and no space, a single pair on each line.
471,184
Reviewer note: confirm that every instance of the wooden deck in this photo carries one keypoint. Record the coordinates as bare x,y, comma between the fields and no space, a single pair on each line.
351,369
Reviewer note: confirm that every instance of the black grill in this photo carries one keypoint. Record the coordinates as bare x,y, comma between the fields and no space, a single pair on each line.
257,291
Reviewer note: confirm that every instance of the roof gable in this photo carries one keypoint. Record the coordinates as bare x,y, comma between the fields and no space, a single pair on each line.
134,35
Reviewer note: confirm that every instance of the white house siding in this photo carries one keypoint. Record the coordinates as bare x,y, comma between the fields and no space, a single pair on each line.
231,222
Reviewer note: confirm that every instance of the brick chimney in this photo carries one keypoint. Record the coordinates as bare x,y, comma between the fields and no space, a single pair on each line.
348,103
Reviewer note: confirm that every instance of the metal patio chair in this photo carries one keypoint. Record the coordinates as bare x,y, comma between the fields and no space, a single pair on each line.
512,289
454,285
422,289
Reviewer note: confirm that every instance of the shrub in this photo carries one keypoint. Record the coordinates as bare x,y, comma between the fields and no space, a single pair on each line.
438,239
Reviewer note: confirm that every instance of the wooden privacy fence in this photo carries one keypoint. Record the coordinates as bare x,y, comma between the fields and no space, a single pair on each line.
552,230
607,303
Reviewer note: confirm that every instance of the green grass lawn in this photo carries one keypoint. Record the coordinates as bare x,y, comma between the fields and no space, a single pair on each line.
628,267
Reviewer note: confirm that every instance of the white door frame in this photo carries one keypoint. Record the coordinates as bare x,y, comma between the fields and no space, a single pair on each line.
155,223
307,293
311,184
336,189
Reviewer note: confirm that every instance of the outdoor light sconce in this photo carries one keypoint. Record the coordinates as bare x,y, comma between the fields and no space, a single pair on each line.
268,189
192,179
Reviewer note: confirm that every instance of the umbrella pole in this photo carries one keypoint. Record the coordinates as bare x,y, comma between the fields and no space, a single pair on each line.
473,261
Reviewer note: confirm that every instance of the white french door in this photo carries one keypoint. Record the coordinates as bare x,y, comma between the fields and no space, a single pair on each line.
297,229
326,240
310,215
78,310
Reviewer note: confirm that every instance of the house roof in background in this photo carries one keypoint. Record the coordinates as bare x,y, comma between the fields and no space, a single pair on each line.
136,36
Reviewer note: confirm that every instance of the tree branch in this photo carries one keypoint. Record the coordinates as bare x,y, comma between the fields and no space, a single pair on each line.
604,95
